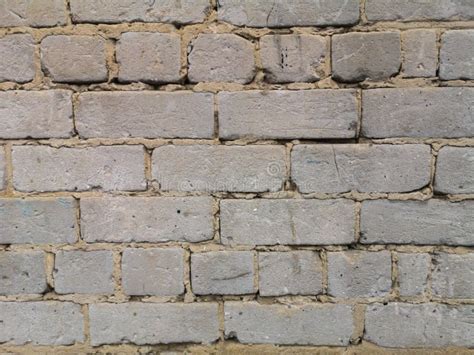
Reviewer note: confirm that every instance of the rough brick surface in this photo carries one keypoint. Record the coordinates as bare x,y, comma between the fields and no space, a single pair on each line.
2,168
455,170
22,272
413,270
17,58
457,52
453,276
44,13
420,53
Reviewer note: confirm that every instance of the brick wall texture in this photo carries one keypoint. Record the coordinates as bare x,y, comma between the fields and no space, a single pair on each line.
237,176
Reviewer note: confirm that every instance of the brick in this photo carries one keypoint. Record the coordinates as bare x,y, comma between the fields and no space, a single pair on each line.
147,114
84,272
427,325
37,221
149,57
293,222
116,11
417,112
148,323
290,273
42,168
223,273
44,13
221,57
281,13
413,272
457,53
22,272
36,114
289,58
432,222
361,167
3,167
155,272
288,114
135,219
252,168
359,274
420,53
289,324
17,58
408,10
453,276
74,59
455,170
361,56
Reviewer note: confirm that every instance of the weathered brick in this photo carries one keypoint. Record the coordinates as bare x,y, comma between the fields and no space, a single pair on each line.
36,114
44,13
420,53
417,112
457,53
146,323
17,58
281,13
431,222
455,170
289,58
146,114
453,276
252,168
251,322
75,59
116,11
271,222
402,325
3,167
149,57
221,57
37,221
413,272
223,273
22,272
359,273
289,273
42,168
361,167
41,323
288,114
361,56
135,219
84,272
157,272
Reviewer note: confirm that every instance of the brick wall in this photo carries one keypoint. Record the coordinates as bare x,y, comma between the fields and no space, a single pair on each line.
237,176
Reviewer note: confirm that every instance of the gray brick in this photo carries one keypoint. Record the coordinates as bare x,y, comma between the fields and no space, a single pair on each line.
308,324
360,56
432,222
413,272
359,274
22,272
156,272
221,57
42,168
75,59
145,323
281,13
418,112
293,222
3,174
455,170
34,13
252,168
17,58
37,221
289,273
288,114
146,219
426,325
84,272
223,273
457,53
147,114
420,53
360,167
36,114
453,276
289,58
149,57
